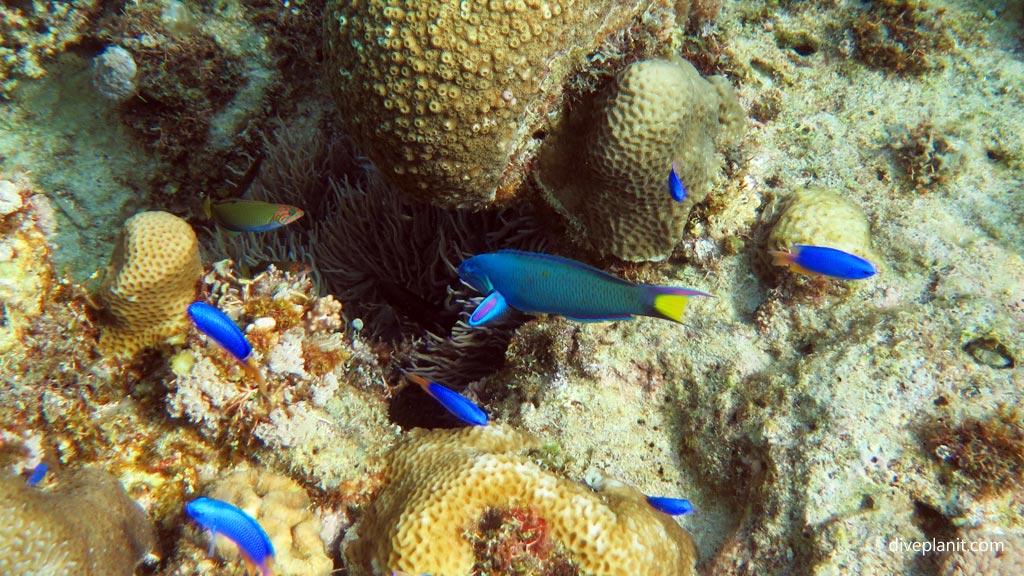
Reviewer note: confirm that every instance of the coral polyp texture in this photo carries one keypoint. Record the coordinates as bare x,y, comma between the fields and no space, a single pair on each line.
440,483
86,524
149,283
282,508
606,169
446,96
820,217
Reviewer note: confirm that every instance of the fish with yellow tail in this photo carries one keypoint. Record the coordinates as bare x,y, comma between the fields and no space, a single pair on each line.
542,283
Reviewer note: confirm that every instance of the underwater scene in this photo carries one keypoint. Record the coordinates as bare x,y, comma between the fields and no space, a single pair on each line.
512,287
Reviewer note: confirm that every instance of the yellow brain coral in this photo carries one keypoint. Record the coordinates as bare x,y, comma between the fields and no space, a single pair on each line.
281,507
446,96
440,482
150,281
606,169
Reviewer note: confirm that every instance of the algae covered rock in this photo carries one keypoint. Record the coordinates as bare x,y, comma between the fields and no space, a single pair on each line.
446,96
87,524
606,169
441,482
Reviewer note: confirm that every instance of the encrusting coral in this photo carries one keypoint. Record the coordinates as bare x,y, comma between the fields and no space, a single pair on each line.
149,283
86,524
449,95
281,506
440,482
606,169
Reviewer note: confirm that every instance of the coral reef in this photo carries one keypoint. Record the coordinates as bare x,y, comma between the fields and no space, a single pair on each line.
149,283
31,32
325,409
85,524
25,274
447,98
281,506
903,36
438,482
606,170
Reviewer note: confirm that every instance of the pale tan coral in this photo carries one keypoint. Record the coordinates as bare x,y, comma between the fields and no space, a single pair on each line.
149,284
282,508
440,482
820,217
26,274
446,96
1007,561
606,170
86,525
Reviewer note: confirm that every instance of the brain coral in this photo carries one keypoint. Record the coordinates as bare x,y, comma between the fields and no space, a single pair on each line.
441,482
86,525
606,169
446,96
281,507
820,217
150,281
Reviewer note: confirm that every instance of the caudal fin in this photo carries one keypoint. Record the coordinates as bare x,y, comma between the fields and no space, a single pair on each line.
670,303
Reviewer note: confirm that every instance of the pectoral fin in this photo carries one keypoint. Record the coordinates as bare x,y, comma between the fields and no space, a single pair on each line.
493,306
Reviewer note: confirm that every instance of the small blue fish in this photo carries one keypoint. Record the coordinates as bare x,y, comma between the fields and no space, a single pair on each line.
37,474
670,506
234,524
675,185
227,335
811,260
456,403
542,283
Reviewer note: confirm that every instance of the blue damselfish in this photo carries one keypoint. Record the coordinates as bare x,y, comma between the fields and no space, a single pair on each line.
456,403
226,334
234,524
675,185
670,506
542,283
37,474
810,260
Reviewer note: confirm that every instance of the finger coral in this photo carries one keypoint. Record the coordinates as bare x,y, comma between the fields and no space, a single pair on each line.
86,525
281,507
149,283
440,482
606,169
447,96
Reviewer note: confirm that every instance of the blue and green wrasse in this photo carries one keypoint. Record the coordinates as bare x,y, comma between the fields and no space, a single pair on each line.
239,215
542,283
824,261
234,524
456,403
227,335
675,185
670,506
